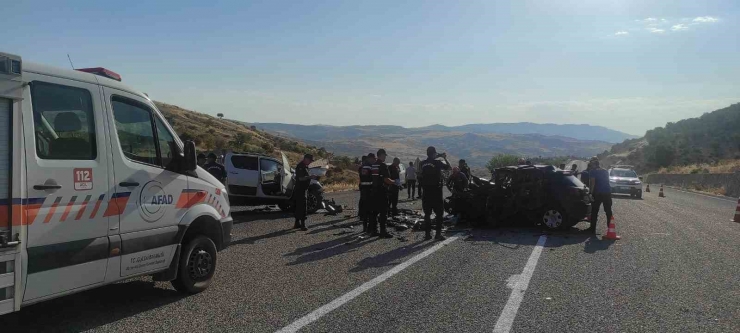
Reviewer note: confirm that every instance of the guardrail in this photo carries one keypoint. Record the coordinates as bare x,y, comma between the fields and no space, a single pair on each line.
729,181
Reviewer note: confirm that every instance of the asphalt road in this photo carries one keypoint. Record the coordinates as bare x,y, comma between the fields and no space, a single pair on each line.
675,270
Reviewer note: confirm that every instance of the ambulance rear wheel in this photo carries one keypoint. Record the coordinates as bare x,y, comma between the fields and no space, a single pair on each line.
197,266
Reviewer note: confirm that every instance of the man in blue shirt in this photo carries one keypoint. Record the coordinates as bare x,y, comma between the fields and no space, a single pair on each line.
602,193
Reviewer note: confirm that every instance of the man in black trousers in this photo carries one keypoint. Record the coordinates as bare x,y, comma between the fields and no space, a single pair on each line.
302,181
432,182
381,180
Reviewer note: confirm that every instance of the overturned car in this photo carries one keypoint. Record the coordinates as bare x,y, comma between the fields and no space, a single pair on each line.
539,194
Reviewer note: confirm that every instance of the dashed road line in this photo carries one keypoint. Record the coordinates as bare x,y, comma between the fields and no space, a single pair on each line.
320,312
518,284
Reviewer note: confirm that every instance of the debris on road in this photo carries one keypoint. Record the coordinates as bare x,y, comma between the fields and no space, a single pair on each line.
331,207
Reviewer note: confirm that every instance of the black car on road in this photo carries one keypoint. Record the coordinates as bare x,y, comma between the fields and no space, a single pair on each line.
540,194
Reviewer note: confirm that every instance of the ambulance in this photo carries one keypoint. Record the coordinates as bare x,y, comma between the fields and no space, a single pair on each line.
96,187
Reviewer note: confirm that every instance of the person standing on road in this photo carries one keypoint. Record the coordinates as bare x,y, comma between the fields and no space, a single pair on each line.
302,181
464,168
359,173
381,180
411,181
432,182
458,182
419,181
585,176
366,189
201,159
214,168
393,189
602,193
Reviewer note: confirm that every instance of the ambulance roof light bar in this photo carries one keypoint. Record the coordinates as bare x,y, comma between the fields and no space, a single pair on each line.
101,72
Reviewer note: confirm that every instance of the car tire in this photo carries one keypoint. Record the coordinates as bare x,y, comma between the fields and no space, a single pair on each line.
555,218
313,201
638,195
197,266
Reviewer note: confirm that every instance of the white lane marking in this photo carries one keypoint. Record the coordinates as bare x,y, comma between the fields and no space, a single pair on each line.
703,195
320,312
518,284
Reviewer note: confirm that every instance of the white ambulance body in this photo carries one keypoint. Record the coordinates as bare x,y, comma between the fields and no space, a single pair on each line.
96,187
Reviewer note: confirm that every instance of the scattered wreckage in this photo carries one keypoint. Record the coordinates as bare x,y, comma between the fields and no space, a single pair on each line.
541,194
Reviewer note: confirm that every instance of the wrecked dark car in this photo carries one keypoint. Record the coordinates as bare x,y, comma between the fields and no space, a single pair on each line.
540,194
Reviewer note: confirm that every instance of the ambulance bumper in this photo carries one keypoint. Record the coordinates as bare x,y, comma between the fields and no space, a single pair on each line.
226,224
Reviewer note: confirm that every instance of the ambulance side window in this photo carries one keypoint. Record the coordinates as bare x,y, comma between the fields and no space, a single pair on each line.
167,146
135,130
63,122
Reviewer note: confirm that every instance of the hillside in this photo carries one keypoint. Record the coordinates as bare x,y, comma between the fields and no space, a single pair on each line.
410,143
213,134
708,139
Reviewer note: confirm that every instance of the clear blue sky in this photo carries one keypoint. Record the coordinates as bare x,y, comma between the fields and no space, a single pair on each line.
629,65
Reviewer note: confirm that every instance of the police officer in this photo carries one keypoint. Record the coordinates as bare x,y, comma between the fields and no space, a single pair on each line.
395,172
201,159
366,189
432,182
214,168
464,168
601,192
381,180
302,181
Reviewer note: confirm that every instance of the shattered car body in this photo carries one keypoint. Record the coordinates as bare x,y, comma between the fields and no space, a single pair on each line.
541,194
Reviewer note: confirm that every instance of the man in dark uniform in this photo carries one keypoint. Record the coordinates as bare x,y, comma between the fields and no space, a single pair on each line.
381,180
366,189
359,174
201,159
302,181
214,168
393,189
464,168
432,182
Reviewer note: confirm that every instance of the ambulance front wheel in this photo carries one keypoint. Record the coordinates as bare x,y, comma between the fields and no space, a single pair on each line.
197,266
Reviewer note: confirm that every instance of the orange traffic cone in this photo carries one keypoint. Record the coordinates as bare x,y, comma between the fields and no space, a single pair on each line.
611,233
660,194
647,190
737,212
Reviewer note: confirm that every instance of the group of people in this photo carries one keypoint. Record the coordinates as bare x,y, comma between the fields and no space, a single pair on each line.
380,185
597,180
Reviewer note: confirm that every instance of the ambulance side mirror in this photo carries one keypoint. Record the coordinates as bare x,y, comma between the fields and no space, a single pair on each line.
191,161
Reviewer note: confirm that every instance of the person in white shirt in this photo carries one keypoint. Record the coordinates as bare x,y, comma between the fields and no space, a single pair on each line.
411,181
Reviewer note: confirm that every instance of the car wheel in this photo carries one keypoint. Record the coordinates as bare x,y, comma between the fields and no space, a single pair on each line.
554,218
313,201
197,266
639,195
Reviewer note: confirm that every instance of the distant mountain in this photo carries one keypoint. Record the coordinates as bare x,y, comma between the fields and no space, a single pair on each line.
477,145
326,132
581,132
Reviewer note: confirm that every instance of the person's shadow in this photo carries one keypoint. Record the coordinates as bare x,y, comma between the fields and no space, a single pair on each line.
390,258
593,244
328,249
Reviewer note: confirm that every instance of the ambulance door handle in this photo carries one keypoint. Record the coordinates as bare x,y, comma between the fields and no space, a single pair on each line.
46,187
128,184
